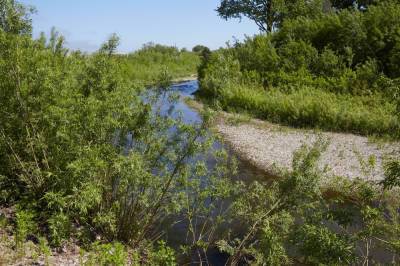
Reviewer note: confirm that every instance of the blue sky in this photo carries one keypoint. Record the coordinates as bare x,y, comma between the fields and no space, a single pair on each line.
182,23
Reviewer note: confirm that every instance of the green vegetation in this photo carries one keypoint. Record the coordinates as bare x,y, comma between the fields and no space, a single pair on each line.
335,70
154,58
70,173
269,14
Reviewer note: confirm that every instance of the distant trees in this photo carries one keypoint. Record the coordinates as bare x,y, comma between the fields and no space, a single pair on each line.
199,48
202,50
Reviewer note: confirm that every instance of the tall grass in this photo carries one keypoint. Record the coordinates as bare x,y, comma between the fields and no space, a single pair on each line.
310,108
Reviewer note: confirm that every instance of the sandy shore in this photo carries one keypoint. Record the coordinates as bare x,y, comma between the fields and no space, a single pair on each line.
270,147
185,79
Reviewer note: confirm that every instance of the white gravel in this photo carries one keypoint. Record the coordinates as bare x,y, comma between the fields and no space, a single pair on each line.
269,146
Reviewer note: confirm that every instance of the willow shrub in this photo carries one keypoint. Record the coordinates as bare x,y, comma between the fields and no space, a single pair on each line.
292,220
80,147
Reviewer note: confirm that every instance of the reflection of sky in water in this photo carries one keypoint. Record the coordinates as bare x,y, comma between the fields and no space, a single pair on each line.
186,88
170,103
176,108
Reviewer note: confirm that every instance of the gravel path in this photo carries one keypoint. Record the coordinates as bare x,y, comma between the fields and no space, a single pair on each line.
269,146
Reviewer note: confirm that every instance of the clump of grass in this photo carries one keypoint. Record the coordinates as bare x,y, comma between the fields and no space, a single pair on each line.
310,108
238,119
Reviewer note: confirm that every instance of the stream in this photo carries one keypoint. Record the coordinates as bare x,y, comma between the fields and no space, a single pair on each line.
246,172
176,235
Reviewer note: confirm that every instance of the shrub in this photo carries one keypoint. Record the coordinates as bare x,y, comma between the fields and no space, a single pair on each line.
144,64
321,71
164,255
60,228
297,55
320,245
107,254
25,225
257,54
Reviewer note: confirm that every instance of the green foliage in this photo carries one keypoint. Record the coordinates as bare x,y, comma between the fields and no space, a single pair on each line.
297,55
25,225
116,254
107,254
310,108
293,220
111,45
334,71
321,246
153,59
392,175
164,255
269,14
59,227
86,152
199,49
64,148
44,249
15,17
257,54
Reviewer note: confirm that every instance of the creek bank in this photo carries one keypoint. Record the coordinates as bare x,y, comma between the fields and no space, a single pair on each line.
192,77
270,147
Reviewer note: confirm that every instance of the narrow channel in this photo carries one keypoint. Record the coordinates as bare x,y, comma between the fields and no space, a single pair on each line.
245,172
176,235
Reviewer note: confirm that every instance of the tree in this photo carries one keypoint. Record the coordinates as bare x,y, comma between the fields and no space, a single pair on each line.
199,48
360,4
269,14
15,17
260,11
111,45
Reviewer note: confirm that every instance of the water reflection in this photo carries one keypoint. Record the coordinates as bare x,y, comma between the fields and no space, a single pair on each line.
171,103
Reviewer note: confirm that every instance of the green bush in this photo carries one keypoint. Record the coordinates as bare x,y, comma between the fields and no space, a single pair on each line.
60,228
335,71
108,254
321,246
25,225
164,255
296,55
153,59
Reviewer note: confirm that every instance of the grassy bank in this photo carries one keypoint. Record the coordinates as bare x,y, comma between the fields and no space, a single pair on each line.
310,108
311,73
